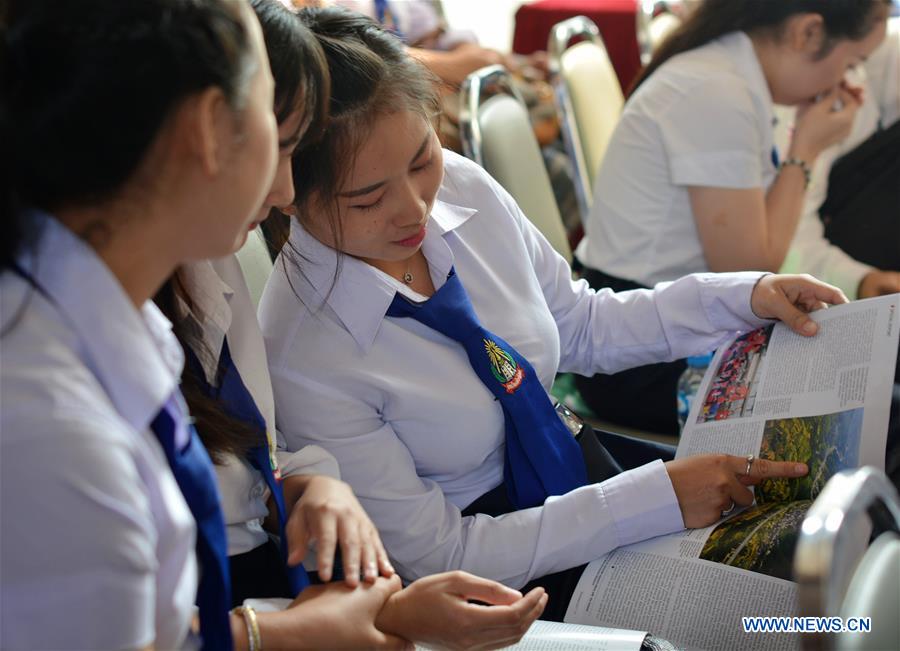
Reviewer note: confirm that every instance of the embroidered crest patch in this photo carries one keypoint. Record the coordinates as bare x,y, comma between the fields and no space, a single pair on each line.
504,367
273,462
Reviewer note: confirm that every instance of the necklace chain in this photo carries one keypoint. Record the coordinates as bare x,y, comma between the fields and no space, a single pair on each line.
408,277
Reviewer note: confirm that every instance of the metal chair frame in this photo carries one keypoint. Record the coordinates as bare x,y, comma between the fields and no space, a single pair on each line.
472,94
560,37
478,87
824,542
646,12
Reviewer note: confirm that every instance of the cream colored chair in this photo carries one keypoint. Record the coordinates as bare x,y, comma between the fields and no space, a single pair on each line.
661,26
497,134
588,96
831,578
255,264
653,26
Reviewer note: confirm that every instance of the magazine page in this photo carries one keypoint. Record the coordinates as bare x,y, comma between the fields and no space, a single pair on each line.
692,603
774,394
778,395
554,636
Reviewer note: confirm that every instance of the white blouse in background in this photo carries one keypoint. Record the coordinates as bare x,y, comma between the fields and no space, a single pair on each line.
810,252
224,307
417,434
704,118
97,541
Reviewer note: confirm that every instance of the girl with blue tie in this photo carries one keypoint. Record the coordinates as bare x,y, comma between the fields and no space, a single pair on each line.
112,527
229,394
418,336
227,385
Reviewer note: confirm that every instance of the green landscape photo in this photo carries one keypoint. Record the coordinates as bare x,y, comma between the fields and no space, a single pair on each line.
760,539
828,443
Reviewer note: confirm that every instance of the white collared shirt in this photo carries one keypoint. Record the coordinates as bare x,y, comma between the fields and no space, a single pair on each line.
224,308
97,541
417,434
705,118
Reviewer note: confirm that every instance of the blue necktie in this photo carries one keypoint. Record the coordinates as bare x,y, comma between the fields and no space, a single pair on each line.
237,401
196,478
542,457
775,160
194,474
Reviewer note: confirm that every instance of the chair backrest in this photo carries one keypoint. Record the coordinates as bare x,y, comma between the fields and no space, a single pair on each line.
654,20
588,96
255,264
497,134
661,26
830,582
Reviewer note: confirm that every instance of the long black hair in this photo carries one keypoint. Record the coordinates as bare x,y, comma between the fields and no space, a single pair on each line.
301,84
86,85
843,19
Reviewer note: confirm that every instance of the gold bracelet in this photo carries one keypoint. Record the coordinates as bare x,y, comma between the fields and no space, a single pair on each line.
249,617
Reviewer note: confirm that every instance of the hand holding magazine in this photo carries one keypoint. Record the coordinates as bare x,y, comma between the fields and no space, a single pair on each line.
778,396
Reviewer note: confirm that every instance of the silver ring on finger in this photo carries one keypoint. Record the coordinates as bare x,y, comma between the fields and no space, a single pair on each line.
728,512
750,459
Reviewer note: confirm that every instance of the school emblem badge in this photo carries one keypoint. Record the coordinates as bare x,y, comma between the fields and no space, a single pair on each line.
273,462
504,367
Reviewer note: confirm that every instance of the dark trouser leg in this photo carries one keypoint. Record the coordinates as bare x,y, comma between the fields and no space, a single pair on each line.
258,573
892,454
632,452
642,397
607,454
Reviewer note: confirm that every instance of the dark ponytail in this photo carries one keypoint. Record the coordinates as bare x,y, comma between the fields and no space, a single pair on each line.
844,19
85,86
221,433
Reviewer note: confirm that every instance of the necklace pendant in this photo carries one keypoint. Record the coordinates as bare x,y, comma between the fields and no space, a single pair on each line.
407,278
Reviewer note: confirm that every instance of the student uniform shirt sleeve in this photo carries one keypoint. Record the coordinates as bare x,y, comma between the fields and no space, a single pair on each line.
79,538
606,332
711,136
423,531
310,460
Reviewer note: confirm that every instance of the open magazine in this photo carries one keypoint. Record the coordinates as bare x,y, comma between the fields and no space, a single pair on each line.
553,636
824,400
774,394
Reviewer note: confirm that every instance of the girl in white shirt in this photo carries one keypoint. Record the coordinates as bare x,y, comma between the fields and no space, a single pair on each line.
98,538
691,181
383,213
213,317
810,251
227,386
126,157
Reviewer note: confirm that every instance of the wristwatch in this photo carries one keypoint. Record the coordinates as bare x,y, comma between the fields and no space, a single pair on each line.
570,419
